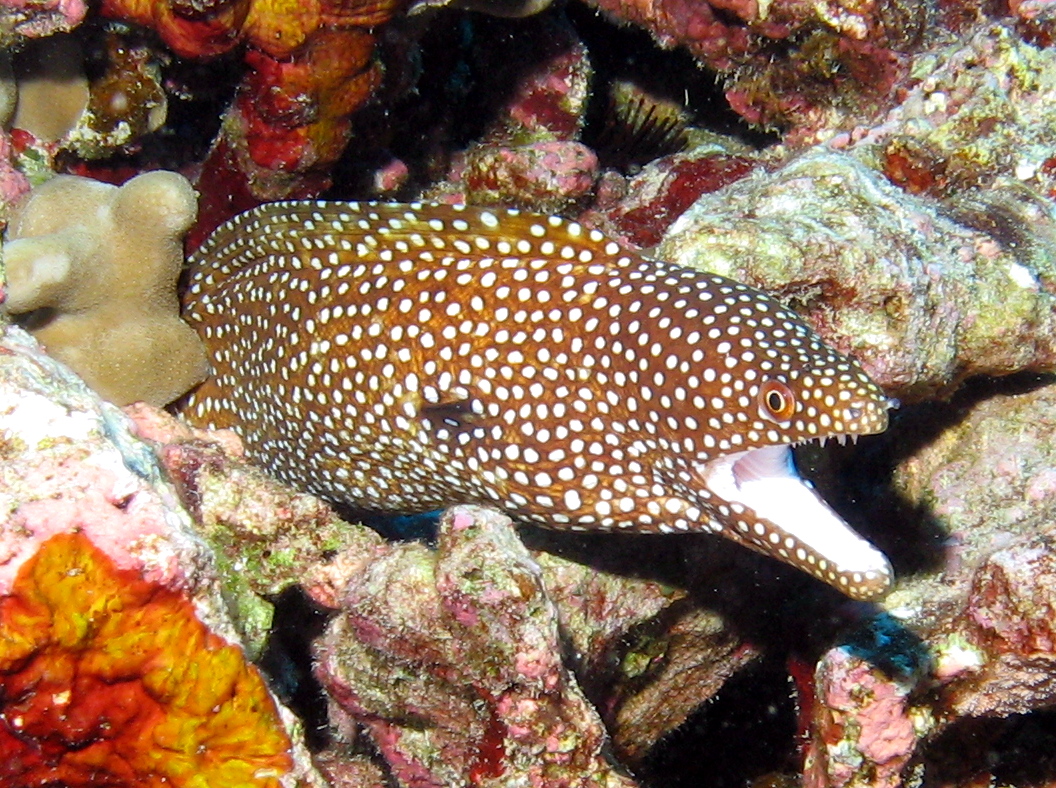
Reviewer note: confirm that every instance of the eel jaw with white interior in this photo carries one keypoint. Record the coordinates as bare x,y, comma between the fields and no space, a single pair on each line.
759,500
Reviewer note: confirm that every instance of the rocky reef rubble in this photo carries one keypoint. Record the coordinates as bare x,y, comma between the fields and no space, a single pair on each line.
113,629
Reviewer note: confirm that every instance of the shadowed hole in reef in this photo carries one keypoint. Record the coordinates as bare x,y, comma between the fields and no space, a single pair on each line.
628,53
1019,750
447,81
287,662
745,734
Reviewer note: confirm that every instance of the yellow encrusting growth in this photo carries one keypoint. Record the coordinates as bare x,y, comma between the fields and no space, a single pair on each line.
106,679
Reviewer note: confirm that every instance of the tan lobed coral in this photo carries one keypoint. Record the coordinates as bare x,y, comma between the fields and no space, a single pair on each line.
91,271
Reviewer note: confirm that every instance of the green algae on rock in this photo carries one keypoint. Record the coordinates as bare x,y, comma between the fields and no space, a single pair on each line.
266,537
922,300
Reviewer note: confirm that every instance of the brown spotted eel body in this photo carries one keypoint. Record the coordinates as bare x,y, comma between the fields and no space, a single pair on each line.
404,358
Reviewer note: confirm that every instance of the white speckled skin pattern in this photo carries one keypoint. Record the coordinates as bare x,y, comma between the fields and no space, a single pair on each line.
406,357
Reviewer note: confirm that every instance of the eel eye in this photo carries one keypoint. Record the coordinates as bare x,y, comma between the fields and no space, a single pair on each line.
776,401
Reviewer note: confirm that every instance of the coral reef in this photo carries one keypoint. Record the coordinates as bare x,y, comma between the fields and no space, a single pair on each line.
266,537
965,643
309,68
92,269
903,203
645,655
113,630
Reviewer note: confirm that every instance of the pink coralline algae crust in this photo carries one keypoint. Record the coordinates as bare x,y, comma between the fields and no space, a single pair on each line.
544,176
13,184
862,734
662,192
38,18
452,662
698,25
60,474
528,155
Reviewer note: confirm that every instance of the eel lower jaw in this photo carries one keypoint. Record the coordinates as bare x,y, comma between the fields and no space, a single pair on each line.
773,510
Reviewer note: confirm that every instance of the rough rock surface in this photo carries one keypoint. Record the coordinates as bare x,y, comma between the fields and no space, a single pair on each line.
921,300
452,661
83,497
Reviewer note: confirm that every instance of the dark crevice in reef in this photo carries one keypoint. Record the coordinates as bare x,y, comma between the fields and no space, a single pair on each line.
1018,750
629,53
287,662
744,735
857,481
448,77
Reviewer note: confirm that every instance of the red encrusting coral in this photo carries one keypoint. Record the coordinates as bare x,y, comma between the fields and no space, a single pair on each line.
663,192
106,678
311,66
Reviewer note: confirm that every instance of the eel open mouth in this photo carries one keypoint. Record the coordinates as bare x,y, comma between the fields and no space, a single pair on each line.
776,512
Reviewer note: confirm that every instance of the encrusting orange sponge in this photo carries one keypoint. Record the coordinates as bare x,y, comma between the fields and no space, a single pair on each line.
92,270
108,679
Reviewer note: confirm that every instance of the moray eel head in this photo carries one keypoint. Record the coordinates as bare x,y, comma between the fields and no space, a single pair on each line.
756,497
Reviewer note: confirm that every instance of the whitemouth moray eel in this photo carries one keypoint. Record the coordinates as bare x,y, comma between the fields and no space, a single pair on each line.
404,358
